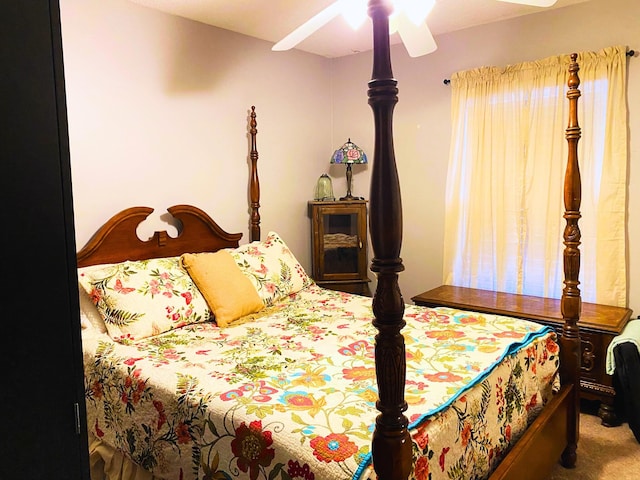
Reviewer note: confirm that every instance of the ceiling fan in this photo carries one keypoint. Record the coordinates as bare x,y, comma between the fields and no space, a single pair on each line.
408,19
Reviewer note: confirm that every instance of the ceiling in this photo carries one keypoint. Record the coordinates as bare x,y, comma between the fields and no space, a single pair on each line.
272,20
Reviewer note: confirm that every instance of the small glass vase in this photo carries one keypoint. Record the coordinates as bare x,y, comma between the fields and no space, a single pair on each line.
324,189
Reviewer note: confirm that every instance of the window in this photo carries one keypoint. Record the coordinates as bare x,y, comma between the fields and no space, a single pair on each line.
506,172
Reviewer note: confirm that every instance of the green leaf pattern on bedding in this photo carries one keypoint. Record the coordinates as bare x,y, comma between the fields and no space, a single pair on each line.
292,395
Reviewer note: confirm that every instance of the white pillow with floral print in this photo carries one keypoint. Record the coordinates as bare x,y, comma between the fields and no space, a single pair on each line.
272,268
139,299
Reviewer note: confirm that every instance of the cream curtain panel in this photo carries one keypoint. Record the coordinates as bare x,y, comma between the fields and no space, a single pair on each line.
504,194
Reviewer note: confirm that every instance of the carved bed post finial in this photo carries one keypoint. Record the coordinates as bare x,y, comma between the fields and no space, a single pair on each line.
570,302
254,187
391,445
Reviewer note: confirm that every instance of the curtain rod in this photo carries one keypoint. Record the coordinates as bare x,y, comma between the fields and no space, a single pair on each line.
630,53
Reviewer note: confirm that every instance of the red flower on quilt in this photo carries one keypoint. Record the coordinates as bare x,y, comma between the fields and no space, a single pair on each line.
251,447
182,431
509,334
465,434
422,468
442,458
99,432
295,470
96,388
130,361
444,334
96,295
443,377
421,437
552,346
335,447
162,417
469,319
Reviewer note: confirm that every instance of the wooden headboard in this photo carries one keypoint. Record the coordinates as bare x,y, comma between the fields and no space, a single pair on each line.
117,240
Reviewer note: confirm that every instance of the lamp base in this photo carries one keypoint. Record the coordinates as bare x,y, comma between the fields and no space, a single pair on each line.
348,196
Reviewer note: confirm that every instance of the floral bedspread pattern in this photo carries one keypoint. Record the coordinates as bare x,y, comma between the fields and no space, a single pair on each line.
291,394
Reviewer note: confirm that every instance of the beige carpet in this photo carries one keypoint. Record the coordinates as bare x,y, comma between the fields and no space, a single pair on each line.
604,453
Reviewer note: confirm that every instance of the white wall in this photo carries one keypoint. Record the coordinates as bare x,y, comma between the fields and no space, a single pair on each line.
422,116
158,115
158,110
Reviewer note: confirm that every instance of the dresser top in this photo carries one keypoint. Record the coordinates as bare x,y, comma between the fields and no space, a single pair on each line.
593,316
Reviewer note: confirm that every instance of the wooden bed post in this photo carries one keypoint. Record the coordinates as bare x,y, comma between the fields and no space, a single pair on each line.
570,303
254,186
391,445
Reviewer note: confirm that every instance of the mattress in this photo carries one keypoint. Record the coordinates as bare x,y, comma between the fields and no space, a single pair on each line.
290,392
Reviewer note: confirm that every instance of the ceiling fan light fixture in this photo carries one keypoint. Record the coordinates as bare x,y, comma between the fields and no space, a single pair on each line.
417,12
354,12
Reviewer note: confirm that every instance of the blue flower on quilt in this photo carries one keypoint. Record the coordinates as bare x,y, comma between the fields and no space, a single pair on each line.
308,429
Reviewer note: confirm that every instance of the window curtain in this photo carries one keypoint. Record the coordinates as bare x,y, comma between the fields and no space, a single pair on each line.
504,194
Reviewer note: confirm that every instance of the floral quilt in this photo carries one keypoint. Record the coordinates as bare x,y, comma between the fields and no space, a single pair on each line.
290,393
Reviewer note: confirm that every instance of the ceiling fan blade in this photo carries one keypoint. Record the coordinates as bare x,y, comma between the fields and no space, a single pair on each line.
417,39
309,27
533,3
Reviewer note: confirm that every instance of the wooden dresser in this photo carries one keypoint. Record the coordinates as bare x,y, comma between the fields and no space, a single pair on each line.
598,325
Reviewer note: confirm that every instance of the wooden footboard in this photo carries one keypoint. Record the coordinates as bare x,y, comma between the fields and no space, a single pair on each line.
542,444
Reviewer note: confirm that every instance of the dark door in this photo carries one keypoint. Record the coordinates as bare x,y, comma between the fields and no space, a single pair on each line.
42,416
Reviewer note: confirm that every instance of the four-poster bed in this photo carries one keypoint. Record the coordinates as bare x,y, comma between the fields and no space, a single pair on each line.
554,432
241,429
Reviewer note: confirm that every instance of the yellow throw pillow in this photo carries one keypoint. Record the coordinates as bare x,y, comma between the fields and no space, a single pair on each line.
228,292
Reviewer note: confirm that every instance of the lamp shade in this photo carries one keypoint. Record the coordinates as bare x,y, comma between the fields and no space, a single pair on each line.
349,153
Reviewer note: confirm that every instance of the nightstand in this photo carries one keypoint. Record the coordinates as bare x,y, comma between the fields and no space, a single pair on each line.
339,245
598,325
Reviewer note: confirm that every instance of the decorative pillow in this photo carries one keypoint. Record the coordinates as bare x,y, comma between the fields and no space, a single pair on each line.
143,298
229,293
90,317
272,268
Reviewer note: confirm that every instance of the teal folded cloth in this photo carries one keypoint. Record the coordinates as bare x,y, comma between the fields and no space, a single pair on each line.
631,333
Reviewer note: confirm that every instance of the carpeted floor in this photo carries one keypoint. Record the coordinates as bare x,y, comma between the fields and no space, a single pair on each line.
604,453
